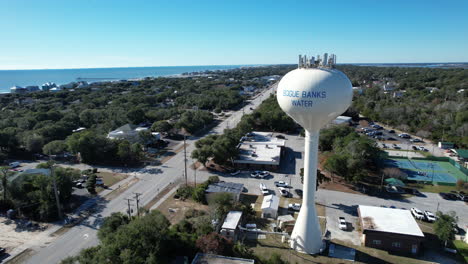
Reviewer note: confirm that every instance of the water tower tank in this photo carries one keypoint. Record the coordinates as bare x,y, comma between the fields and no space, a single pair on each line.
312,97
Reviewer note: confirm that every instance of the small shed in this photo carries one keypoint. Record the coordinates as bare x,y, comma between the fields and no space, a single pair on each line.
230,225
286,222
270,206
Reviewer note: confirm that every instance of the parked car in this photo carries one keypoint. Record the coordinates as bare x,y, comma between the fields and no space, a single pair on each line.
264,189
2,251
404,135
384,146
448,196
254,174
14,164
251,226
342,223
283,191
281,184
428,216
418,214
414,147
391,131
460,195
79,185
235,173
280,136
391,139
415,140
263,174
294,206
422,148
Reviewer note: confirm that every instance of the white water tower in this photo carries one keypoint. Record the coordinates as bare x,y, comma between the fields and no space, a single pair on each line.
312,96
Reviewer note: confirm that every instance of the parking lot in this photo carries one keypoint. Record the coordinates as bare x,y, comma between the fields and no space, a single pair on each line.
391,141
292,162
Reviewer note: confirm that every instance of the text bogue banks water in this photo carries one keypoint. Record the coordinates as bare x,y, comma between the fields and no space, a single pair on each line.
305,95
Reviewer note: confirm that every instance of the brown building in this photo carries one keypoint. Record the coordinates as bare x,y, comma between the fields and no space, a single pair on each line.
393,230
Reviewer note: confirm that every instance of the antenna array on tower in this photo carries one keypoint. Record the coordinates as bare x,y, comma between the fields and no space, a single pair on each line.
317,62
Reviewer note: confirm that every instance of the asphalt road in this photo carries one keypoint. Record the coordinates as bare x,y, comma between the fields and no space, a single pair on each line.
149,184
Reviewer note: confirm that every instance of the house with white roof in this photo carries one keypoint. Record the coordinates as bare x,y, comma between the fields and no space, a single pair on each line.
390,229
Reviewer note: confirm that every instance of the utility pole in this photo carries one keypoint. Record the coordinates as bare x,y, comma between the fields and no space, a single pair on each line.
381,182
137,195
195,173
129,210
56,192
185,162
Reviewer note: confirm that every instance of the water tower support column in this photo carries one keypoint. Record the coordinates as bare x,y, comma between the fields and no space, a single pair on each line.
307,236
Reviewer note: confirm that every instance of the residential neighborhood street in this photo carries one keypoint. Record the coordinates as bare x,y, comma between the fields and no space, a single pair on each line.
148,185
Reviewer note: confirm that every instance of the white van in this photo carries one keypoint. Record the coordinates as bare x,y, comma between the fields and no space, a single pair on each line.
14,164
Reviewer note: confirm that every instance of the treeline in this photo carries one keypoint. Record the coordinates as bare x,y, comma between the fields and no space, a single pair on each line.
223,148
438,115
348,154
32,195
30,121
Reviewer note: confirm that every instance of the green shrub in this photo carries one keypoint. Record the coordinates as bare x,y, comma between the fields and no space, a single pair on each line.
213,179
184,192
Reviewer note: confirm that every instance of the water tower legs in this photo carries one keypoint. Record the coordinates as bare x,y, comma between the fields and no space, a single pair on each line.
307,236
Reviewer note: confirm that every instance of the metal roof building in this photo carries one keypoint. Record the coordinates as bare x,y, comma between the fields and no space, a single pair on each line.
235,189
390,229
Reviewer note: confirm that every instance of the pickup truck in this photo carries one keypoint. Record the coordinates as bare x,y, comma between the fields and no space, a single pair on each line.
343,224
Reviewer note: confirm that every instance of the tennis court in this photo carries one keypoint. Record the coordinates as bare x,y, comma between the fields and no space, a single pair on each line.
427,170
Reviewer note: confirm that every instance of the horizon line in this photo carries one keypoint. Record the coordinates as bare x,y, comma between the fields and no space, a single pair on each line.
210,65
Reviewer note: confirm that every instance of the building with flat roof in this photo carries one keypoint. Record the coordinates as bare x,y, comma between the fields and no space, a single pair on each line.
232,188
260,150
270,206
229,228
201,258
390,229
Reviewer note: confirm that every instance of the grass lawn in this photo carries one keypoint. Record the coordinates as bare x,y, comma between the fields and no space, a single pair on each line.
174,210
109,179
462,249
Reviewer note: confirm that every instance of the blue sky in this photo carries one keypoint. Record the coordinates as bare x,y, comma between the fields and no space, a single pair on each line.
112,33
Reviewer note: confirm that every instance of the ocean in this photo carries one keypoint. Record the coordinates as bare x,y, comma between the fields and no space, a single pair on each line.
10,78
